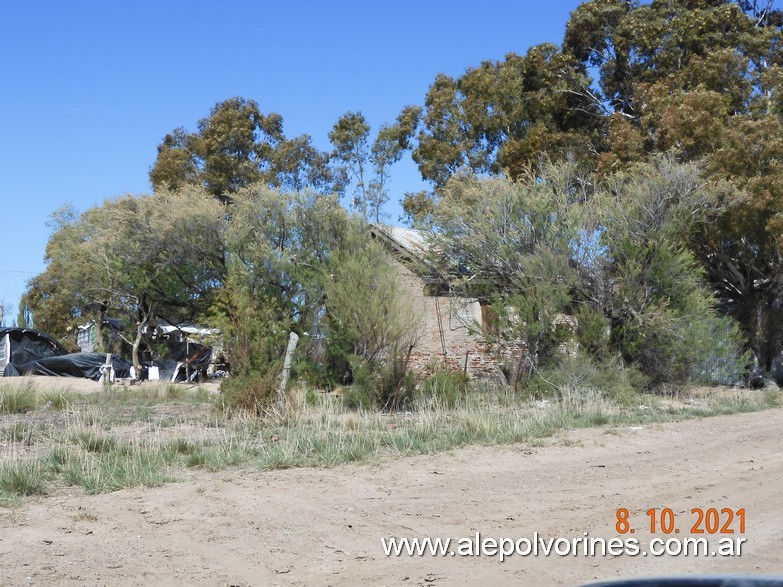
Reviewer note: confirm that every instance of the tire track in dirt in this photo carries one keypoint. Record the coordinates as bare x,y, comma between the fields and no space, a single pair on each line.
324,527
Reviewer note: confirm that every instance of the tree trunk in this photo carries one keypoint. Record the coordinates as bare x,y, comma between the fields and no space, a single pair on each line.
98,346
761,316
145,313
767,335
293,339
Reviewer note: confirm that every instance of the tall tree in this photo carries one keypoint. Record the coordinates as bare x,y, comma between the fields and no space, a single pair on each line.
297,165
364,167
702,78
236,146
502,116
132,258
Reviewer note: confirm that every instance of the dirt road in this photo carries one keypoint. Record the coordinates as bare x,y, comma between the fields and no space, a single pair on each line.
324,527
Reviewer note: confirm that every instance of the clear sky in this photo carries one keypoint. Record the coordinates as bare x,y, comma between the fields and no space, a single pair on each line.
88,89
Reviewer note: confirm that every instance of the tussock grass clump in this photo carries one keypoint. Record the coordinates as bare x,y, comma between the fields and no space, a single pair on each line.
16,432
94,442
17,399
58,399
611,378
23,477
102,472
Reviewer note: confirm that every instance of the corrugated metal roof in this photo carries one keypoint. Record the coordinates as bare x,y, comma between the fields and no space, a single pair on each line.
408,238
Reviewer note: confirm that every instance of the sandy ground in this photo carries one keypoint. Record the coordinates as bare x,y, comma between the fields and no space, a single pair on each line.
80,385
324,526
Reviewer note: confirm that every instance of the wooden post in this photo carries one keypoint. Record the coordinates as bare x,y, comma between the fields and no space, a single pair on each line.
289,353
187,359
106,375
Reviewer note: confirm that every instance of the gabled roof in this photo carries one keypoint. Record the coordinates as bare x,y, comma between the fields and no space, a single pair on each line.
410,246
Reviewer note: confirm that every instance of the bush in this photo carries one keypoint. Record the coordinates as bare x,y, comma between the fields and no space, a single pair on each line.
615,380
592,332
446,388
386,386
251,391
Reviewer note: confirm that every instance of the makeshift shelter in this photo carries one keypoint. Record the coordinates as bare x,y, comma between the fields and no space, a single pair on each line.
19,346
177,355
88,365
111,329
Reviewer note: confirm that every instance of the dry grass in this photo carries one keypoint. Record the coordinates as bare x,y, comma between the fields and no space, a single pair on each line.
107,441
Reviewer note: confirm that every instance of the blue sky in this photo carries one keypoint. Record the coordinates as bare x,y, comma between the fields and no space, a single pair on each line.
88,89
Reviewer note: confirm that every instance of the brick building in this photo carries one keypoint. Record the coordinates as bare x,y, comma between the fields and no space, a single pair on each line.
452,327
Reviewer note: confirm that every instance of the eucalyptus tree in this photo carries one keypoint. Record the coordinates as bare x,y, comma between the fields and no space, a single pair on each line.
365,166
237,145
133,257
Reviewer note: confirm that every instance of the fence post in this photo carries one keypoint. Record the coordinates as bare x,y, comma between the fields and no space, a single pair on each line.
289,353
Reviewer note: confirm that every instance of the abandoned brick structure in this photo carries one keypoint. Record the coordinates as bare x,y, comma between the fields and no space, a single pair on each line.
451,333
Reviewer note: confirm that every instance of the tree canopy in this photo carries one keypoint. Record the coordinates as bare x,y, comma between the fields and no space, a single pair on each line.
236,146
699,79
615,172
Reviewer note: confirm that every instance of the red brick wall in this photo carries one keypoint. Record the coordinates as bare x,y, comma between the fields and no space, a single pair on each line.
452,331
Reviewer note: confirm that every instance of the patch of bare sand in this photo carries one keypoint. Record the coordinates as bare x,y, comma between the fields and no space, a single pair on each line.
324,527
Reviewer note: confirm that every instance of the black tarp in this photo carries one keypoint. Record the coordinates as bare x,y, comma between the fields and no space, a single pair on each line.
35,353
182,351
89,365
180,356
169,370
23,345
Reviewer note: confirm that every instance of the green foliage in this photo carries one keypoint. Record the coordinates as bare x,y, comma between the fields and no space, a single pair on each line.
518,243
612,378
503,116
360,395
442,388
702,79
660,307
569,259
130,258
252,390
254,338
366,309
237,146
277,246
593,331
17,399
364,166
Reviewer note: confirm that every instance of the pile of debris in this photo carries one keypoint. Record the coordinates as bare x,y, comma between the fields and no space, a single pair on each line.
177,356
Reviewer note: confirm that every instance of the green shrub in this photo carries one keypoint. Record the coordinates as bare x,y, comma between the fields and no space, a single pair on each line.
593,332
387,386
252,391
360,395
445,388
612,378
